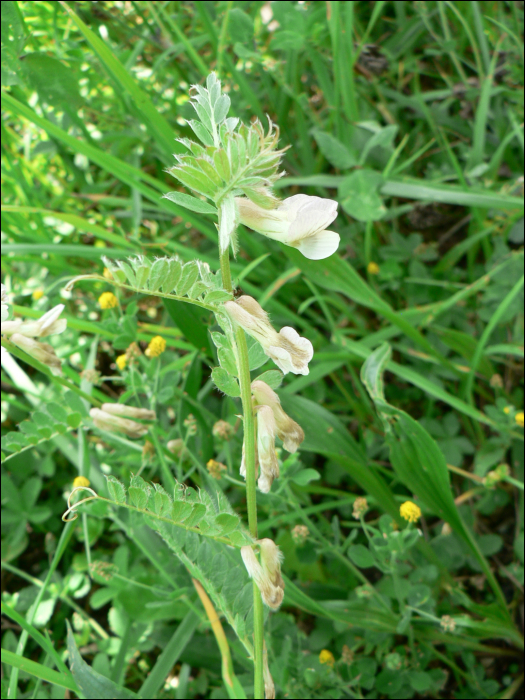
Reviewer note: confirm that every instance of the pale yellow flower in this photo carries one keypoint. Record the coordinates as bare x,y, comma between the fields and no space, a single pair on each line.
372,268
107,300
156,347
80,481
121,362
326,657
37,294
409,511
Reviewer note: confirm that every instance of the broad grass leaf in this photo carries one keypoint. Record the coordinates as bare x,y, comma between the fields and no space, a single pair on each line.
327,435
91,683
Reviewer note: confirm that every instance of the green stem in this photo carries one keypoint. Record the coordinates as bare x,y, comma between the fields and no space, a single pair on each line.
249,460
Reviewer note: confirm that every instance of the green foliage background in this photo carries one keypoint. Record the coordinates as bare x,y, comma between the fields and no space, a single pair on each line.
409,114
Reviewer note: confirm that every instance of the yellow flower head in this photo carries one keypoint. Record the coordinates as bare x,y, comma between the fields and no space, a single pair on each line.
409,511
121,361
507,410
107,300
37,294
326,657
372,268
520,418
80,481
156,347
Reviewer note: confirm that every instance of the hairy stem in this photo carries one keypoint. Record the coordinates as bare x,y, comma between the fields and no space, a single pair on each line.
249,461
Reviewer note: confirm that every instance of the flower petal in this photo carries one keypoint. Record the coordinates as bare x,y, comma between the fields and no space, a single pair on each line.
315,215
319,246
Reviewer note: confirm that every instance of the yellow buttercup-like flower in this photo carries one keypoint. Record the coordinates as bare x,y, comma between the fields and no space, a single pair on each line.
409,511
326,657
156,347
121,362
80,481
520,418
37,294
372,268
107,300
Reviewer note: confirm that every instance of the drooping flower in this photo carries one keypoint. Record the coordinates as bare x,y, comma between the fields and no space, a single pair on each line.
120,409
107,300
268,575
269,465
300,221
43,352
287,349
115,417
288,430
410,511
269,685
48,324
156,347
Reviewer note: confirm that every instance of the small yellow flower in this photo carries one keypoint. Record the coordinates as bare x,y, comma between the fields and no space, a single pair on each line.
37,294
326,657
80,481
520,418
215,468
360,507
409,511
107,274
372,268
107,300
156,347
121,361
507,410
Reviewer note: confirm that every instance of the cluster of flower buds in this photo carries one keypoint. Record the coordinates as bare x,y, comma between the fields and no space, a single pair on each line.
287,349
117,418
24,334
267,573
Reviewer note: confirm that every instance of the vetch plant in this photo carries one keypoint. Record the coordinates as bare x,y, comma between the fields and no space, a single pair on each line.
234,166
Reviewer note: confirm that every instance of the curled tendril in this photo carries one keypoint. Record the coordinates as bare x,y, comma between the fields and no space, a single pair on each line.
71,508
69,286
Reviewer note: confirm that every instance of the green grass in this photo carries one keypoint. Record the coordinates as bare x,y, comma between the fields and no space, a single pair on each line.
410,115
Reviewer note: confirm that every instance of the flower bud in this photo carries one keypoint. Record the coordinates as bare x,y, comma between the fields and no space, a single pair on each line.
300,222
288,430
40,351
268,576
266,429
287,349
114,423
269,686
120,409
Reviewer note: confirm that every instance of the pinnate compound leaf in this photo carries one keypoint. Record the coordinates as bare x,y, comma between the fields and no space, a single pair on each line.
189,275
139,492
191,203
224,381
116,490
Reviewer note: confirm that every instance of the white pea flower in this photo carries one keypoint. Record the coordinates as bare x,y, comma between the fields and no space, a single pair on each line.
120,409
5,309
268,576
287,349
269,465
300,221
288,430
43,352
48,324
111,418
